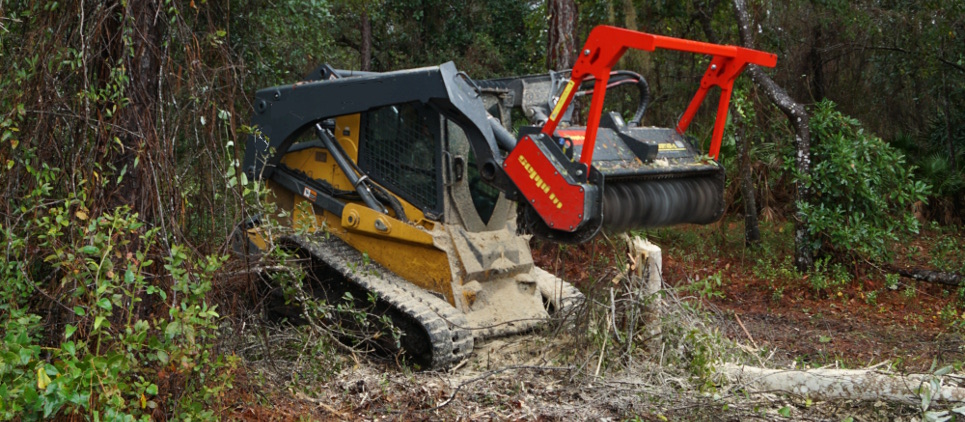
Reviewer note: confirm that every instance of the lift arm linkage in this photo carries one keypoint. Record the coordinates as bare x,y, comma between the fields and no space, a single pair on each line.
607,44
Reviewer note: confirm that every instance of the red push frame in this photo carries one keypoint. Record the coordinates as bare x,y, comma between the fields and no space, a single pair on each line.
607,44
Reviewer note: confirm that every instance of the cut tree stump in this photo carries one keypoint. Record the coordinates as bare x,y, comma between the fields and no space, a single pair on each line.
649,272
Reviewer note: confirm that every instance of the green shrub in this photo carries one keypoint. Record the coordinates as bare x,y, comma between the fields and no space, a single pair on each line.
92,325
862,189
828,275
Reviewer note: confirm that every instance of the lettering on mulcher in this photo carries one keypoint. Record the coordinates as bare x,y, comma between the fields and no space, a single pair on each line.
540,183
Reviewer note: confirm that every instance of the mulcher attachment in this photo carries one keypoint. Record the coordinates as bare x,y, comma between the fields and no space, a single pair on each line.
671,186
617,176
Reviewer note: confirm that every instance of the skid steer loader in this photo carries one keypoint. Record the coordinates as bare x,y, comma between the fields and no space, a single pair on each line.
421,189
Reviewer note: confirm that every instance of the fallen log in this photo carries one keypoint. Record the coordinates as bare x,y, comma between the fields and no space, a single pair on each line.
948,279
851,384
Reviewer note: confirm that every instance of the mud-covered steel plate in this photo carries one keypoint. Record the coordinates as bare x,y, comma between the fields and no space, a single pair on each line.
615,159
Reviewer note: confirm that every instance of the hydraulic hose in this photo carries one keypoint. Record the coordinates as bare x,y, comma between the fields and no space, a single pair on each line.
621,77
343,163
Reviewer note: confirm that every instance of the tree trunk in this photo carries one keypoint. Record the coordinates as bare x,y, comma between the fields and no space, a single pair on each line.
948,129
138,120
752,231
816,62
561,53
704,14
798,116
635,60
366,47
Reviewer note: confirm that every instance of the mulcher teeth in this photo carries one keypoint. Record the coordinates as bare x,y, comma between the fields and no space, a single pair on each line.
637,204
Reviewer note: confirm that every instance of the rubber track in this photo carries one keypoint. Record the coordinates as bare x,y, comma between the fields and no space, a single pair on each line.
446,327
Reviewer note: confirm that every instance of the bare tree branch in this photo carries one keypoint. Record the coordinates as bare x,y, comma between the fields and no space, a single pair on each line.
797,115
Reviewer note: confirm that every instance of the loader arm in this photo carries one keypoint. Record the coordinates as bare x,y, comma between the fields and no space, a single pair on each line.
282,113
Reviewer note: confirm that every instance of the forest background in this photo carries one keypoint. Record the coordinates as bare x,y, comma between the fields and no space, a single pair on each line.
122,124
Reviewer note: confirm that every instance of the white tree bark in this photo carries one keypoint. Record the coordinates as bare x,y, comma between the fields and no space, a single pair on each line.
851,384
798,117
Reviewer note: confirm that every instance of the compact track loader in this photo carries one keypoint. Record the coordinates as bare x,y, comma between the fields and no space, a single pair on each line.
420,189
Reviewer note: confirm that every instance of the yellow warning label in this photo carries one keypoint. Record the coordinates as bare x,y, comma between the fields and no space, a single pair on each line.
559,104
669,147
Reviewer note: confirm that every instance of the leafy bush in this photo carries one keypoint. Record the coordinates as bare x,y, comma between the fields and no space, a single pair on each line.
862,188
92,325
